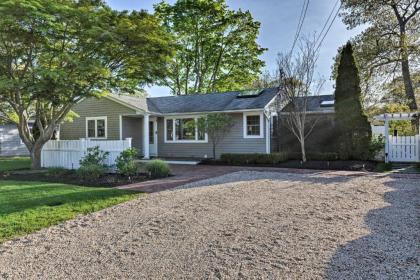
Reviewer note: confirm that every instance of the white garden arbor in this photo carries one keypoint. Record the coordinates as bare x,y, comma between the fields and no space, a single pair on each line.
400,148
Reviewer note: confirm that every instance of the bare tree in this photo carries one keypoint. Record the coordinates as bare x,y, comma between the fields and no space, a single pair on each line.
297,84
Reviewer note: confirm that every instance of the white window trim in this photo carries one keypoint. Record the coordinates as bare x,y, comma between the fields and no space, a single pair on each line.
245,115
195,117
96,127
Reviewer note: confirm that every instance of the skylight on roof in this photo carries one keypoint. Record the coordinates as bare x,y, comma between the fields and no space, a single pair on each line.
250,93
327,103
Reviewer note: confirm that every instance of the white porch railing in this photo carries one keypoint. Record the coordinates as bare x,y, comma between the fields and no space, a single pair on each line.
67,153
404,148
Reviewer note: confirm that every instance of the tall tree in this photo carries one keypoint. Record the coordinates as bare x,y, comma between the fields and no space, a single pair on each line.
390,40
54,53
353,126
217,48
297,84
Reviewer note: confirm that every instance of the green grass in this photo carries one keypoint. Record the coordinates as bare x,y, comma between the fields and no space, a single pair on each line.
26,207
14,163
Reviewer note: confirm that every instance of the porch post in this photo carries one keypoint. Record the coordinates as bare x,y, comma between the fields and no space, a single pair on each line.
386,127
146,136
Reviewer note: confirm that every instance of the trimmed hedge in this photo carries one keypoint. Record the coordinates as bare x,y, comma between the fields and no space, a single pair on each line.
274,158
328,156
243,159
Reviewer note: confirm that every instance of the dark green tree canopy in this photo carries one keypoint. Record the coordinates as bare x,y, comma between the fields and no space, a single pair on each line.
353,126
389,46
217,48
54,53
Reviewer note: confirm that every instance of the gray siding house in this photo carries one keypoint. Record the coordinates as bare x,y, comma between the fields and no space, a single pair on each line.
10,142
159,126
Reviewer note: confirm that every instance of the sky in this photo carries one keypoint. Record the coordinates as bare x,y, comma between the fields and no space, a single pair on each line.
279,20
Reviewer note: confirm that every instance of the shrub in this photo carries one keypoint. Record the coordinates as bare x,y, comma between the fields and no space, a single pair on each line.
56,171
377,144
94,156
323,156
243,159
91,171
125,162
92,165
158,169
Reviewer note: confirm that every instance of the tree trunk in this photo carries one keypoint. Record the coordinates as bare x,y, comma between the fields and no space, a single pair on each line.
36,156
408,83
302,149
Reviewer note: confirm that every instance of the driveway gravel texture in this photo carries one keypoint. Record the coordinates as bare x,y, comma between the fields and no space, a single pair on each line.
244,225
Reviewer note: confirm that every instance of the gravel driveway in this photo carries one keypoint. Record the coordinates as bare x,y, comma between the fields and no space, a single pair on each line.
246,225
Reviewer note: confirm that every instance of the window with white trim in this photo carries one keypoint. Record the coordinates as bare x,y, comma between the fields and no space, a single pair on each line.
184,130
96,127
253,125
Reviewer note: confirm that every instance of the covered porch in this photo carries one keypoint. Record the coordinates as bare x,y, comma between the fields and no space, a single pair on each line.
143,129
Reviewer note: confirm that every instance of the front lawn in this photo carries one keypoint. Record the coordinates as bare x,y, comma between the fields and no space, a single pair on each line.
26,207
14,163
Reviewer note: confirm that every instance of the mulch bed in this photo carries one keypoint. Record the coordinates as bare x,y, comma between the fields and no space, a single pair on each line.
346,165
70,177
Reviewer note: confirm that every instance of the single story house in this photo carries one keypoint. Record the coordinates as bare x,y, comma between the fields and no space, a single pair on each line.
160,126
10,142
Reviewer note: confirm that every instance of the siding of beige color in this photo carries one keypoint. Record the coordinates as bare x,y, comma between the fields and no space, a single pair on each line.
94,107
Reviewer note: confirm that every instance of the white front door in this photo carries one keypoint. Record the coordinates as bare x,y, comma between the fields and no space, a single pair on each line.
153,137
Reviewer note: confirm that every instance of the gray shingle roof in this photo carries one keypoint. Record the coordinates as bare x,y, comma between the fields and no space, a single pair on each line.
211,102
314,103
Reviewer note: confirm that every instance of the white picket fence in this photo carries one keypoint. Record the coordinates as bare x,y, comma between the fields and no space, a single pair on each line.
67,153
404,148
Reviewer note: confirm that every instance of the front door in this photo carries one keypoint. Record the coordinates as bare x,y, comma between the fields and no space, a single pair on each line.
153,137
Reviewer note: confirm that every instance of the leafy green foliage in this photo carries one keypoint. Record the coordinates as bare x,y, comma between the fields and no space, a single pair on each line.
94,156
26,207
377,144
217,47
90,171
322,156
353,127
388,47
125,162
217,126
403,127
56,171
253,159
92,165
54,53
158,169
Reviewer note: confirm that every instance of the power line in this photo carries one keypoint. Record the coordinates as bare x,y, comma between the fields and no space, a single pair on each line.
326,22
328,29
300,23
